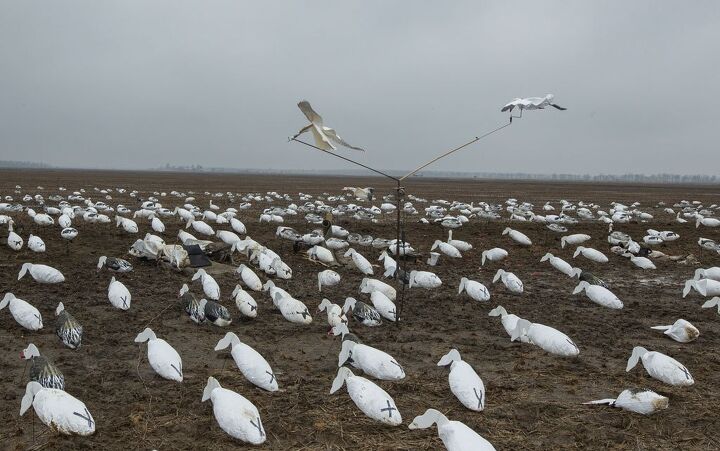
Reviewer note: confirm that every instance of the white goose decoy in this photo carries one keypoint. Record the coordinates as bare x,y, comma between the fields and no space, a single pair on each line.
709,273
531,103
475,290
706,287
681,331
69,233
67,328
494,255
456,436
118,295
244,302
714,302
58,410
235,415
549,339
372,400
24,314
250,363
326,138
163,358
249,278
328,278
36,244
369,285
362,312
462,246
238,226
14,241
128,225
465,383
322,254
200,227
371,361
640,262
271,289
591,254
41,273
707,222
210,286
644,402
335,315
447,249
384,305
599,295
424,279
572,240
559,264
517,236
510,280
360,262
509,321
660,366
292,309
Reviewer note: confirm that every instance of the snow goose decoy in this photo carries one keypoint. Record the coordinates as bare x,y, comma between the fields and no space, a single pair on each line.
645,402
372,400
36,244
559,264
58,410
235,415
599,295
494,255
465,384
250,363
681,331
328,278
530,103
362,312
510,280
335,315
475,290
424,279
369,285
292,309
462,246
509,321
360,262
660,366
327,138
249,278
244,302
14,241
67,328
25,314
456,436
640,262
41,273
42,370
114,264
384,305
210,286
371,361
193,307
708,273
517,236
587,276
591,254
706,287
163,358
118,295
575,239
447,249
200,227
547,338
714,302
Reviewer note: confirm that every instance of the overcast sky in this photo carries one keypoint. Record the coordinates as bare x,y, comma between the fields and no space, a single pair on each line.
141,83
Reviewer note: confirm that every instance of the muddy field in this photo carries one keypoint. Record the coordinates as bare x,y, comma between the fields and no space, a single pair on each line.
533,398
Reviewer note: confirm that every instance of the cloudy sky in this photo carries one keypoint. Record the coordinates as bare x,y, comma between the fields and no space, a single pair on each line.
141,83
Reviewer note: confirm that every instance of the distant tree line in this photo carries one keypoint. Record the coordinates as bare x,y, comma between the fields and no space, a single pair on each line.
23,164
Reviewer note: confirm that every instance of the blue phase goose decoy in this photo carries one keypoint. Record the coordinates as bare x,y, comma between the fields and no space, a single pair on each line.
42,370
41,273
118,295
456,436
660,366
362,312
25,314
371,361
475,290
210,286
372,400
67,328
328,278
244,302
645,402
681,331
58,410
194,307
216,313
250,363
163,358
465,383
599,295
114,264
494,255
235,415
547,338
587,276
510,280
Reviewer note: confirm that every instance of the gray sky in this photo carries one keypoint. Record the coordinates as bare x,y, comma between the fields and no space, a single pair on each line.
138,83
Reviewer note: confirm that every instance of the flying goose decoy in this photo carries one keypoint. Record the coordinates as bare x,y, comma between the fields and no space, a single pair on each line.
510,280
517,236
67,328
645,402
25,314
362,312
327,138
494,255
547,338
456,436
210,286
475,290
328,278
250,363
335,315
118,295
163,358
41,273
530,103
371,361
58,410
681,331
372,400
660,366
42,370
599,295
114,264
235,415
465,384
244,302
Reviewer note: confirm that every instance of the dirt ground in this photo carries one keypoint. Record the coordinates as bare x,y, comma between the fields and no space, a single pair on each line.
534,400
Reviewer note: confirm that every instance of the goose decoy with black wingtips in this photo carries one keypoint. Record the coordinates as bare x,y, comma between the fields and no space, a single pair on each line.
244,302
510,280
118,295
67,328
292,309
69,233
335,315
547,338
372,400
384,305
42,370
14,241
494,255
643,401
368,285
327,278
362,312
599,295
216,313
475,290
681,331
193,306
465,383
24,314
58,410
249,278
371,361
163,358
327,138
41,273
36,244
456,436
235,415
250,363
210,286
660,366
114,264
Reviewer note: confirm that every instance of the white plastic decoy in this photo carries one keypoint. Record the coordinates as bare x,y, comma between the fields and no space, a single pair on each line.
456,436
235,415
660,366
372,400
251,364
163,358
465,383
